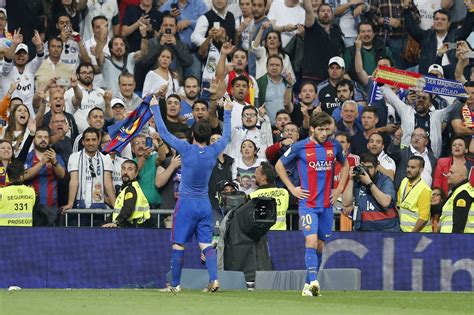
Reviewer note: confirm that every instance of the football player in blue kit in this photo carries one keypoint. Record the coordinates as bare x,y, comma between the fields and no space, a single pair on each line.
193,211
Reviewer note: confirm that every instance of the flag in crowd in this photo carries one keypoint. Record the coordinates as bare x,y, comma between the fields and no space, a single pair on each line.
124,131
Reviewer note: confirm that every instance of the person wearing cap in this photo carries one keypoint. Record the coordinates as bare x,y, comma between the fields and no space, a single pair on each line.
327,92
439,101
118,110
17,68
434,42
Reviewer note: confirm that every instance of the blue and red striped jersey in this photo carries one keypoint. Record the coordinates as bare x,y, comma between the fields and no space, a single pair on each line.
45,183
316,169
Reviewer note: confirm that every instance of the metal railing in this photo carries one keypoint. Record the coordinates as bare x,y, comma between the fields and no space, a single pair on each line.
107,212
159,213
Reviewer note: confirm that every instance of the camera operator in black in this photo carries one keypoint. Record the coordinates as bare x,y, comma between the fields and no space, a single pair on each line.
374,195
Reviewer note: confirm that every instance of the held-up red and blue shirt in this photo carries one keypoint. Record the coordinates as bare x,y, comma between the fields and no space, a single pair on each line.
315,164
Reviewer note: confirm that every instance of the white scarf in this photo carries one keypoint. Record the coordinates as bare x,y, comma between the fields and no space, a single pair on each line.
88,166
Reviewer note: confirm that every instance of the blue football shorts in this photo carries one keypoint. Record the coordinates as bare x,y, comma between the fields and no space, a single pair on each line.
316,221
192,216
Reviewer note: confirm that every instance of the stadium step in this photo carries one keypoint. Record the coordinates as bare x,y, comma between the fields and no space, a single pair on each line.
329,279
199,278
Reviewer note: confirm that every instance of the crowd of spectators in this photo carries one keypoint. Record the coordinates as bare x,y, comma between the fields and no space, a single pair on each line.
71,68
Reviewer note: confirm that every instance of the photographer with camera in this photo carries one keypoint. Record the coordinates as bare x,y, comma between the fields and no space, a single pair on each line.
373,195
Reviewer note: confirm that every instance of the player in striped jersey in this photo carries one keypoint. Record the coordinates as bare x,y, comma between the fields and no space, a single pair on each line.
315,157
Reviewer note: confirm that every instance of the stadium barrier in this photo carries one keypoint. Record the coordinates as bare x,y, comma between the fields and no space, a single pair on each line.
115,258
104,213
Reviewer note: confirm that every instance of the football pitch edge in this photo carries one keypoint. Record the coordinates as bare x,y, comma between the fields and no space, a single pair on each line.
149,301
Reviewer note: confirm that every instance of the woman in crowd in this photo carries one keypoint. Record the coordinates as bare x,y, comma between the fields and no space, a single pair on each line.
438,197
459,149
6,154
243,169
162,75
272,46
17,132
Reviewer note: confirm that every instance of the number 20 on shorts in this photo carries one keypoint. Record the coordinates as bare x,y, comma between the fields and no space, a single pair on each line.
306,220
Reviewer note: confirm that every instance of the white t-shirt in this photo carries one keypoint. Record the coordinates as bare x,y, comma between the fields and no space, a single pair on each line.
117,172
111,73
153,82
70,54
89,45
90,99
86,181
108,8
426,9
439,40
387,162
283,15
26,88
236,120
241,173
427,170
261,64
245,37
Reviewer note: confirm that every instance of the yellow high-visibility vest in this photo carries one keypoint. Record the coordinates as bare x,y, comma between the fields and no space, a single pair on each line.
408,206
446,220
282,199
16,205
141,213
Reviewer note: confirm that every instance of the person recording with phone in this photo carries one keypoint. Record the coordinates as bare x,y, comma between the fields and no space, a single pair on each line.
435,43
370,198
167,38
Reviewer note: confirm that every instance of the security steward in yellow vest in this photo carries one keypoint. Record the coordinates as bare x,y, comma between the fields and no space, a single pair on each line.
131,207
265,176
414,199
18,202
458,211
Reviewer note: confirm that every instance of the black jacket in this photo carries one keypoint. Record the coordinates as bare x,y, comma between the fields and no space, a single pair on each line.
429,44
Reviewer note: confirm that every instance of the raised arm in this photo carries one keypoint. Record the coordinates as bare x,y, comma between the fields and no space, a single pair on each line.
358,64
412,27
178,144
226,50
220,144
309,17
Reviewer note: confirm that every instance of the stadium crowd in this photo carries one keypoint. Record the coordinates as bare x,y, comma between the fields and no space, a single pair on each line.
72,68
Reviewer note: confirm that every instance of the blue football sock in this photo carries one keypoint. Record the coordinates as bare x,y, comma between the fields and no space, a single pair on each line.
177,262
320,259
211,262
311,260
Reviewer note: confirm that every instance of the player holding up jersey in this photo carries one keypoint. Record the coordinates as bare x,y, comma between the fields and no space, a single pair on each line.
193,211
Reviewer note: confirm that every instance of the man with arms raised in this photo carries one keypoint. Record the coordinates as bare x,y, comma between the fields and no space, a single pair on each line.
193,213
